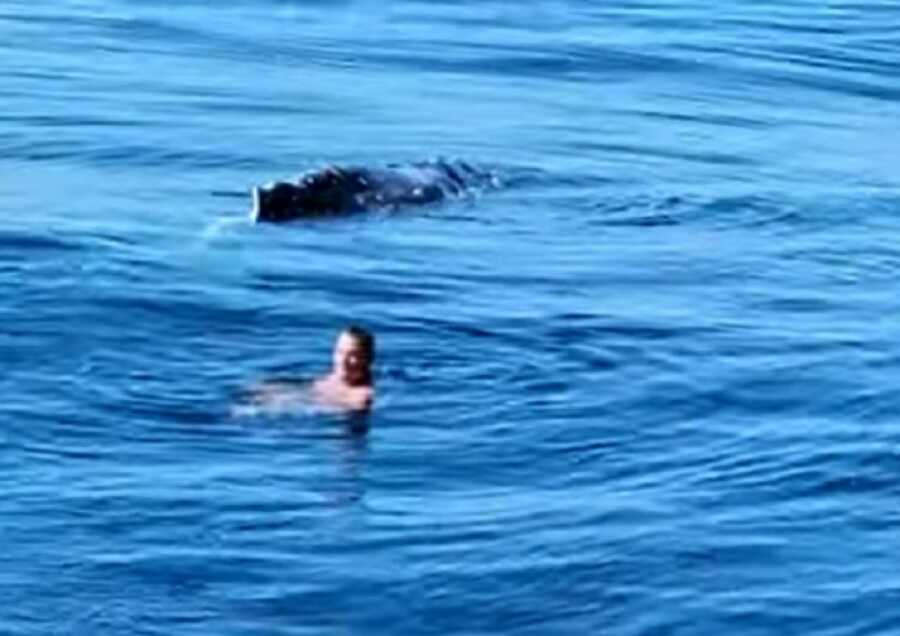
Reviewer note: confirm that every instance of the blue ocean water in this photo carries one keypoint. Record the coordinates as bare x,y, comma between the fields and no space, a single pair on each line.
647,386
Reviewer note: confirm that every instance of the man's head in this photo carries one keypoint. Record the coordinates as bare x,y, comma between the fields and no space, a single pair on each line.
354,352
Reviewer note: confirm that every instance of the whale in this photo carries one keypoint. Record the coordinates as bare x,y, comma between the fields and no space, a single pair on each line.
336,190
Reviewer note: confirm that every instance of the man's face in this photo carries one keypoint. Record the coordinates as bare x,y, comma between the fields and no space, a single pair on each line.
351,360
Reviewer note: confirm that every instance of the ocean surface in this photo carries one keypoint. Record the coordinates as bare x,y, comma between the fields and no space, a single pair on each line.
649,385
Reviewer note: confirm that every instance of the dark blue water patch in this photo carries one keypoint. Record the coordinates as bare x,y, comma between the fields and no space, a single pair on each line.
170,36
67,121
886,45
812,68
818,57
724,120
21,245
41,76
646,220
681,154
827,26
116,153
746,211
127,29
809,475
235,103
765,212
876,90
507,61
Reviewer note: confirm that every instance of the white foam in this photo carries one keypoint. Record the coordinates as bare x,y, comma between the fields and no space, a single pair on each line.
254,209
219,226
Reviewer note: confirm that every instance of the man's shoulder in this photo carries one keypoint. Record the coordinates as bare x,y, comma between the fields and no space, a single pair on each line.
360,397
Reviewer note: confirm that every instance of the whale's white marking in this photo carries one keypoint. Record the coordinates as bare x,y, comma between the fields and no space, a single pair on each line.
254,209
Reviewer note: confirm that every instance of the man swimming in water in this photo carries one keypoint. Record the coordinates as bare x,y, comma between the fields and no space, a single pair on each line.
349,384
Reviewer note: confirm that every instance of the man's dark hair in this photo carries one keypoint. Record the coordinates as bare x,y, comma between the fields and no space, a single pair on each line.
365,339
